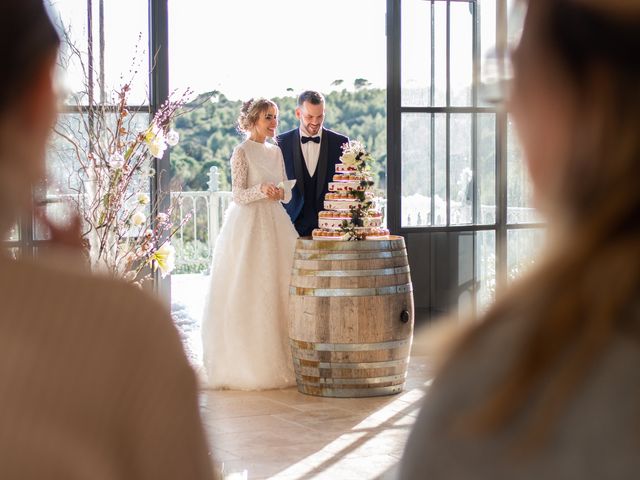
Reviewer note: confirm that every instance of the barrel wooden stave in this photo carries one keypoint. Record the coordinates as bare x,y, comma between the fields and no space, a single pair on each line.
365,314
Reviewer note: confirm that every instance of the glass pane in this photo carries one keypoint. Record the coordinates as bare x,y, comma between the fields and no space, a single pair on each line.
487,13
461,42
461,168
126,55
13,252
68,148
416,169
486,175
14,234
57,211
519,189
72,18
465,278
516,11
485,268
523,245
439,201
416,53
69,171
121,56
440,54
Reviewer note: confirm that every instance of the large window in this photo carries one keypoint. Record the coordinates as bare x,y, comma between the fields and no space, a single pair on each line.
105,46
458,189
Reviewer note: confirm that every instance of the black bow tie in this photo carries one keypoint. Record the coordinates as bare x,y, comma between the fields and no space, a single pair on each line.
310,139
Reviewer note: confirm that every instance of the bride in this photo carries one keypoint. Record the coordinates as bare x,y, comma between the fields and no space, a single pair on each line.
244,326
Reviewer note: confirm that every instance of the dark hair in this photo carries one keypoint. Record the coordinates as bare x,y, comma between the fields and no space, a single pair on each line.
311,96
27,36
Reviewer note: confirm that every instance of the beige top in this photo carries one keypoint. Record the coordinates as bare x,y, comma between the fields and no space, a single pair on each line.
596,434
94,383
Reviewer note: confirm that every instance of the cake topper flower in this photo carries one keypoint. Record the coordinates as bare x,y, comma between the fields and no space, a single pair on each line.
355,154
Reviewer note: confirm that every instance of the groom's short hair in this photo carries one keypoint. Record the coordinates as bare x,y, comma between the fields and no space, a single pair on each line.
311,96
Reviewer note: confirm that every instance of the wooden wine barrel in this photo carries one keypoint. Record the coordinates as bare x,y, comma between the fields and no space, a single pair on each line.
351,317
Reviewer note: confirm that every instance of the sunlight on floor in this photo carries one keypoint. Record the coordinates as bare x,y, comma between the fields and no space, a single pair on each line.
384,430
285,435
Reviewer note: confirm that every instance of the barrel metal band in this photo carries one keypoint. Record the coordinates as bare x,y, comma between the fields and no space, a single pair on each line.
317,255
352,366
349,347
397,242
351,381
350,273
351,292
353,392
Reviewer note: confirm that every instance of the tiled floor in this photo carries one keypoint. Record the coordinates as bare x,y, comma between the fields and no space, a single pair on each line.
283,434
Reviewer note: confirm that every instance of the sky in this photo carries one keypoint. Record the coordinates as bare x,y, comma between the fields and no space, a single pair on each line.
255,47
247,48
243,48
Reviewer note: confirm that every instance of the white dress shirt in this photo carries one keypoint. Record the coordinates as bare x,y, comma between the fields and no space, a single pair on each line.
310,150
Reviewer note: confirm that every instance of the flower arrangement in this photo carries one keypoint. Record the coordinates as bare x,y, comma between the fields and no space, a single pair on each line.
111,163
355,154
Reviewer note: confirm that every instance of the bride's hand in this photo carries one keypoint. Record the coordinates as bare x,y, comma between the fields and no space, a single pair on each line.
271,191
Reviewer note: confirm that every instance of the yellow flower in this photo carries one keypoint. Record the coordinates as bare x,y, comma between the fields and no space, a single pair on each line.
164,258
154,138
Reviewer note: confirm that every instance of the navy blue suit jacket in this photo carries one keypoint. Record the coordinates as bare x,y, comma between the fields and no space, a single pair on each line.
330,152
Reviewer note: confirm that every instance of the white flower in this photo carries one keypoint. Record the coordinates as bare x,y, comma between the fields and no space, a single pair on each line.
162,218
116,160
143,198
173,138
164,258
157,148
348,158
138,218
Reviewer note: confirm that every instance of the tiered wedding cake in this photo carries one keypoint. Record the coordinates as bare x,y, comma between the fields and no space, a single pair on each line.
349,211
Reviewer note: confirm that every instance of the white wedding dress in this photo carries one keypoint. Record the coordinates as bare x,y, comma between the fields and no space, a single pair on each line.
245,322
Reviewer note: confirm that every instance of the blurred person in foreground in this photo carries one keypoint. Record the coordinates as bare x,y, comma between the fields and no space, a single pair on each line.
94,383
547,386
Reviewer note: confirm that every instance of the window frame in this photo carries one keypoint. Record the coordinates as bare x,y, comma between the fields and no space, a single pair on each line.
395,110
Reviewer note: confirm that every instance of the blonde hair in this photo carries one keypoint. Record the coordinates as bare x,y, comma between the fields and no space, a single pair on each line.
251,111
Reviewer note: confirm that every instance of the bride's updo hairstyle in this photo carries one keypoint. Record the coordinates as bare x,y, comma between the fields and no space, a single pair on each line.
250,113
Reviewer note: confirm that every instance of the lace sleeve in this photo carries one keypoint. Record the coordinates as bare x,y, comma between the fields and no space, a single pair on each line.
287,189
239,173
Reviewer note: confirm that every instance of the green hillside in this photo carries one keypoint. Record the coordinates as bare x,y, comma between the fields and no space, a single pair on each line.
208,133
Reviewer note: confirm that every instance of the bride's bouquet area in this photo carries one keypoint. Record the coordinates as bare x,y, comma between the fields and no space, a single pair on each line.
108,151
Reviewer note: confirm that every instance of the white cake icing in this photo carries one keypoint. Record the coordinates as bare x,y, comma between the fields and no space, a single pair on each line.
340,205
350,186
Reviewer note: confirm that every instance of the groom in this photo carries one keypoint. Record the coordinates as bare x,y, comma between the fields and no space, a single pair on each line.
310,155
